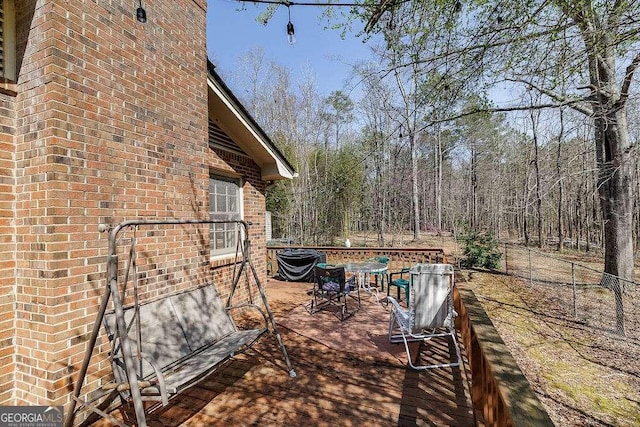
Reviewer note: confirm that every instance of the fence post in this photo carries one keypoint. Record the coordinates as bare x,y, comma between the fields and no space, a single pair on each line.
573,284
530,269
506,266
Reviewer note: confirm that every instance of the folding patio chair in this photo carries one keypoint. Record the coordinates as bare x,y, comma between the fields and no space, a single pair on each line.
430,313
332,291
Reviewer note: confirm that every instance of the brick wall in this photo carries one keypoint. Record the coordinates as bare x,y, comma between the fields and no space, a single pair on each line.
8,238
111,124
7,248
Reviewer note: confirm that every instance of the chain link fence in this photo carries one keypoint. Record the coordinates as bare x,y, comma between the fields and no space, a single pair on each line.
582,293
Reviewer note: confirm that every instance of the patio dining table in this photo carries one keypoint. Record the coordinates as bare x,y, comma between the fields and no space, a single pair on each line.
363,269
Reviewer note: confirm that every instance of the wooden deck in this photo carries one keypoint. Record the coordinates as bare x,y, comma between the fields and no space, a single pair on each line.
347,374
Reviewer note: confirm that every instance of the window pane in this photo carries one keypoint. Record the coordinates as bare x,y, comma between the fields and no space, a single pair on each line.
231,239
224,204
221,203
233,204
219,241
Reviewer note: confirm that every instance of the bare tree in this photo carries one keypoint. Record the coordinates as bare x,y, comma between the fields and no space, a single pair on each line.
535,117
379,130
534,43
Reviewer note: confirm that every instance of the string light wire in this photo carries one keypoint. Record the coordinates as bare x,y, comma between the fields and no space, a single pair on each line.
294,3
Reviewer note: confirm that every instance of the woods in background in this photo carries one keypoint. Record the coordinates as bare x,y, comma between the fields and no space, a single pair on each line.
485,171
423,146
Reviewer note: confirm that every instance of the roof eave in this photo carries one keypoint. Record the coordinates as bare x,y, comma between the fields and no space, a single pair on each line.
232,117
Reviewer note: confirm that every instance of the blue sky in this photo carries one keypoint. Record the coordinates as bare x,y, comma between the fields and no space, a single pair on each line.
232,32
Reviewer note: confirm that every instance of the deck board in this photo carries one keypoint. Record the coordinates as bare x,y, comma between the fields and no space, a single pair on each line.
347,374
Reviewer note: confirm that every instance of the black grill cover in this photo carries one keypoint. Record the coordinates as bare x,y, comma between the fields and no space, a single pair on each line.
296,265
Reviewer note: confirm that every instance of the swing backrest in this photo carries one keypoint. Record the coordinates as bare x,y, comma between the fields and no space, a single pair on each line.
173,327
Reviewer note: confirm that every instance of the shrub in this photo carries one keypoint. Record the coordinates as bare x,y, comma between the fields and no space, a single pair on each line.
480,250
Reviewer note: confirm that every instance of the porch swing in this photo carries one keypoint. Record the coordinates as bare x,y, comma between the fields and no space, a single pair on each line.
163,346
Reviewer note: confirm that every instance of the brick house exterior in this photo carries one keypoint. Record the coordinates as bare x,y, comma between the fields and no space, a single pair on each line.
106,119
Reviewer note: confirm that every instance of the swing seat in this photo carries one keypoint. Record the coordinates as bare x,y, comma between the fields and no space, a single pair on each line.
183,338
168,343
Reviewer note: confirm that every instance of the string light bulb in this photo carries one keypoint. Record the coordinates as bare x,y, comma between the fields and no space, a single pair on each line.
291,38
141,14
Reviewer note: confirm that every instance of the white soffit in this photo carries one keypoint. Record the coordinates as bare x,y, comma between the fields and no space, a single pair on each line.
225,112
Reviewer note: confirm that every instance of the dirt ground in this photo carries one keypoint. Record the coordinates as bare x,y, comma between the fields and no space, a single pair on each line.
583,376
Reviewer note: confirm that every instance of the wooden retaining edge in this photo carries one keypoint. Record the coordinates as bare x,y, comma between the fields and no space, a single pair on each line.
499,389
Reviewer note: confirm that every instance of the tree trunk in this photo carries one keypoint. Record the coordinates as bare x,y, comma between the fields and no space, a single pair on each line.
474,189
379,201
525,206
613,157
614,189
536,168
438,183
559,177
414,187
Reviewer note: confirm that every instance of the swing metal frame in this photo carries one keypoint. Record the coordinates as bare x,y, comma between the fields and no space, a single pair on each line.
132,384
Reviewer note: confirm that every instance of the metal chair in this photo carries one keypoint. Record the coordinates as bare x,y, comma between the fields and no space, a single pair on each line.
430,311
324,265
332,291
399,279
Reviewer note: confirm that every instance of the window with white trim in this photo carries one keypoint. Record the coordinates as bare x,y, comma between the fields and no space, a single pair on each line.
225,203
7,40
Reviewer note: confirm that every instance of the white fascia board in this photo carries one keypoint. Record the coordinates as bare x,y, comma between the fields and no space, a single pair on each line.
272,170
